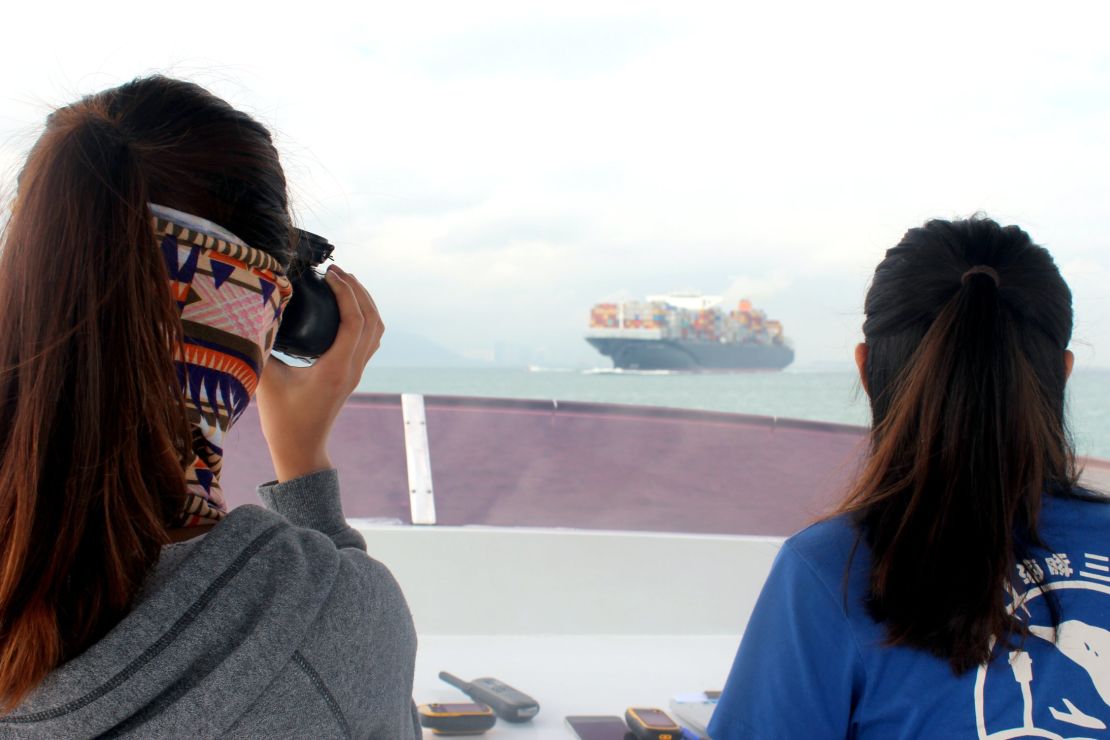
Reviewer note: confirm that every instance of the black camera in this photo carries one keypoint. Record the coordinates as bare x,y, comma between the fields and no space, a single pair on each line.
311,319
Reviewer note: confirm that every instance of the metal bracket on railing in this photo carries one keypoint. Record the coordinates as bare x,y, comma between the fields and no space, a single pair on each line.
418,459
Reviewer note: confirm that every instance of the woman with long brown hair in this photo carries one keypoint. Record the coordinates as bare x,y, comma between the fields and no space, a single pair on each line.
142,280
963,587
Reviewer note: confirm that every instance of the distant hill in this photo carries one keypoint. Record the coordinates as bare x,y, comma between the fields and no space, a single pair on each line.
404,349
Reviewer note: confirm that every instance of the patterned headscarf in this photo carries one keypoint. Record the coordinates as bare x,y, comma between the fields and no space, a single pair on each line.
231,297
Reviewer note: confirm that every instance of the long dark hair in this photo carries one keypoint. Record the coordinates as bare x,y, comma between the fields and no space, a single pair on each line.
93,432
965,372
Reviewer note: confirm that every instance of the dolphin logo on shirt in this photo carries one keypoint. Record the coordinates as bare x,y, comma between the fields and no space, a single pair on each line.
1085,645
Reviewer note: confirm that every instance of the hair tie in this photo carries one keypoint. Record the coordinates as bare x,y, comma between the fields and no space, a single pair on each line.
981,270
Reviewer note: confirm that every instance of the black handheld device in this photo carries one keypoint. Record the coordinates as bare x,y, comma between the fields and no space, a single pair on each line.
311,319
598,727
508,703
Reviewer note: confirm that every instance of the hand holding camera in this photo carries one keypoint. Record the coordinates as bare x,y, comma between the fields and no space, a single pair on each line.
299,405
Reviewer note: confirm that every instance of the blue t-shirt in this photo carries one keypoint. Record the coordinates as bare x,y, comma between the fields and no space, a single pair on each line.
812,664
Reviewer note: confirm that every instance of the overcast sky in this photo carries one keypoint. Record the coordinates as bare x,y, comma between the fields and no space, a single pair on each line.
490,170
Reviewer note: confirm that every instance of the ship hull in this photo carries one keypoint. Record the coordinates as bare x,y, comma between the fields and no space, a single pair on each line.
672,354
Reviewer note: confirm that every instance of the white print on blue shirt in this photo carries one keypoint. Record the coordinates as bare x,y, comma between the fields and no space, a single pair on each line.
1078,652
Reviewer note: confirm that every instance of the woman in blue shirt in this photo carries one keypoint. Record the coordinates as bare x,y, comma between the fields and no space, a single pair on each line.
962,589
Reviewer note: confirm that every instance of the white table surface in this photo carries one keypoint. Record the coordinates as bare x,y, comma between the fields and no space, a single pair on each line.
574,674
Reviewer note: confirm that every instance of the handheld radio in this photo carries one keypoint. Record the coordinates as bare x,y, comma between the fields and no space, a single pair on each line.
508,703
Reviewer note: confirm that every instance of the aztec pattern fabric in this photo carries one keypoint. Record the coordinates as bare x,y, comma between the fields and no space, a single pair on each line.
231,297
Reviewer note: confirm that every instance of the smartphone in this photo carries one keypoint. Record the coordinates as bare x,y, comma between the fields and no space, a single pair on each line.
598,727
456,719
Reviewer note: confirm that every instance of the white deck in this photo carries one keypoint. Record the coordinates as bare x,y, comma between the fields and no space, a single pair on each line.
585,622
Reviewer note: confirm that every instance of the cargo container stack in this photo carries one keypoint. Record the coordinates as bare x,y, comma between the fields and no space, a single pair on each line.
677,331
639,315
604,316
743,324
774,329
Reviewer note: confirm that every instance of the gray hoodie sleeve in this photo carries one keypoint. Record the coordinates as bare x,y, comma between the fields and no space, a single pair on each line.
313,501
366,646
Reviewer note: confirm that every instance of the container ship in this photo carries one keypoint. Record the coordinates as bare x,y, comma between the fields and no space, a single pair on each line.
688,331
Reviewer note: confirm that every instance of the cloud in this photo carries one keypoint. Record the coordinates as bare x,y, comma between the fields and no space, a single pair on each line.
516,231
555,49
494,168
757,288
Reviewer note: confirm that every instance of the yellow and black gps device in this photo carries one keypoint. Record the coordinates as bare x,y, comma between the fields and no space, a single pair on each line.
457,719
651,724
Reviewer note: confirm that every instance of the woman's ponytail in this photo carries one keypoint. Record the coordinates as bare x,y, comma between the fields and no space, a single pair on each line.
92,423
94,434
966,329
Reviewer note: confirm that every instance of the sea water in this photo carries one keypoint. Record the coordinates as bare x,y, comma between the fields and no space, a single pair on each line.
818,396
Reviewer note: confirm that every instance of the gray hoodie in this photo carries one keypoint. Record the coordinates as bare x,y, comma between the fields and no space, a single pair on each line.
274,624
